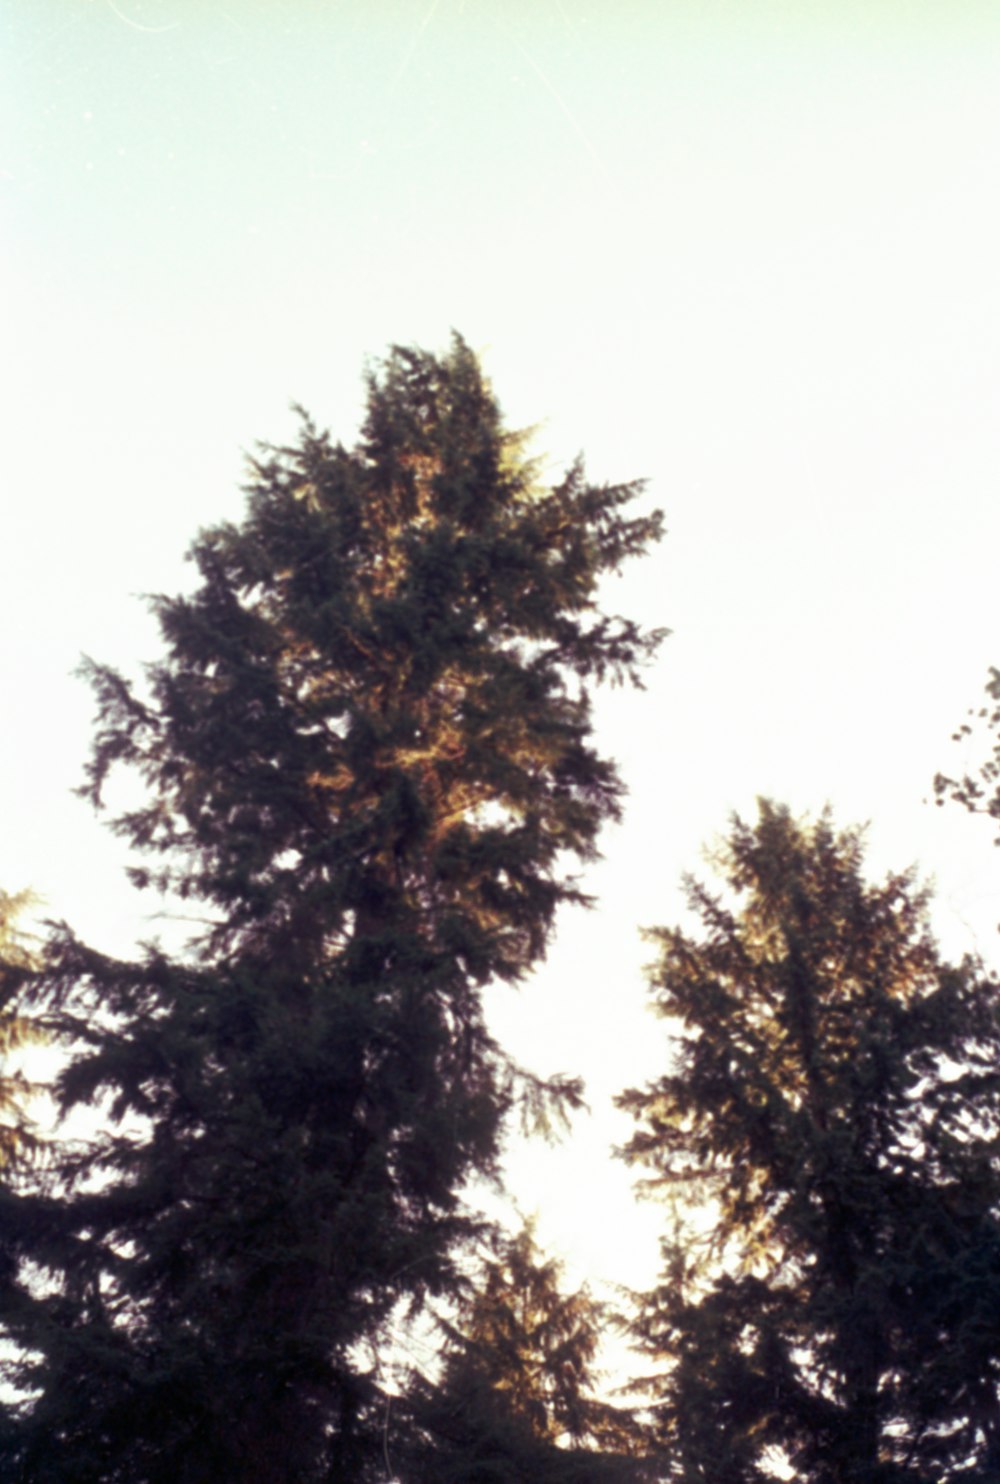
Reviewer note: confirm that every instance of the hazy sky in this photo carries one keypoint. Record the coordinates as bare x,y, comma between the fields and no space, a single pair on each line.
745,248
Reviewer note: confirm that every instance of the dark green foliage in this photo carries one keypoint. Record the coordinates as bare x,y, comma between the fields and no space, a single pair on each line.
826,1137
368,763
516,1401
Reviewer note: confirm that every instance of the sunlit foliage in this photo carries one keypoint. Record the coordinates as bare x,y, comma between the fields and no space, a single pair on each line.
18,1136
517,1400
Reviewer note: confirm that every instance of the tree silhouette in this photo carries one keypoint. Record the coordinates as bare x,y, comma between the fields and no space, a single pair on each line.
368,763
826,1138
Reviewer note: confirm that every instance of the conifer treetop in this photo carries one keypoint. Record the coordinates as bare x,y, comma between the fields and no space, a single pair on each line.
369,773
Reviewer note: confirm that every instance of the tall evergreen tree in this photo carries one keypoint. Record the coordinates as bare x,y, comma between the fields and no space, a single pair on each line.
827,1134
368,762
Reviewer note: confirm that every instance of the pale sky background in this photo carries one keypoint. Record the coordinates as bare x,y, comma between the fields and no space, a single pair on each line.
748,249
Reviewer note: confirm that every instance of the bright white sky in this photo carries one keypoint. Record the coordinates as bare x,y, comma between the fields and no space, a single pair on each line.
746,248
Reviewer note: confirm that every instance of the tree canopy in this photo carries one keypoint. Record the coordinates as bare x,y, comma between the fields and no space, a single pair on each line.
368,767
368,774
825,1137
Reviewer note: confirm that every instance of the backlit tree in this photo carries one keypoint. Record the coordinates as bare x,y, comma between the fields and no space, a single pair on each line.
368,766
517,1401
826,1137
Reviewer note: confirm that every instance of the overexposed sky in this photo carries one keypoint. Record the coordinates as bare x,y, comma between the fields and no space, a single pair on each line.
745,248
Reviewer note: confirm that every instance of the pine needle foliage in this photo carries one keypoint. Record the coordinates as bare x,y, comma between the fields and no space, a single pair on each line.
826,1142
528,1340
517,1398
368,767
19,1140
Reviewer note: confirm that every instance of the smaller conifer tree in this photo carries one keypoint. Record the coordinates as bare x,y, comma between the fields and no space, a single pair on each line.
516,1400
826,1134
